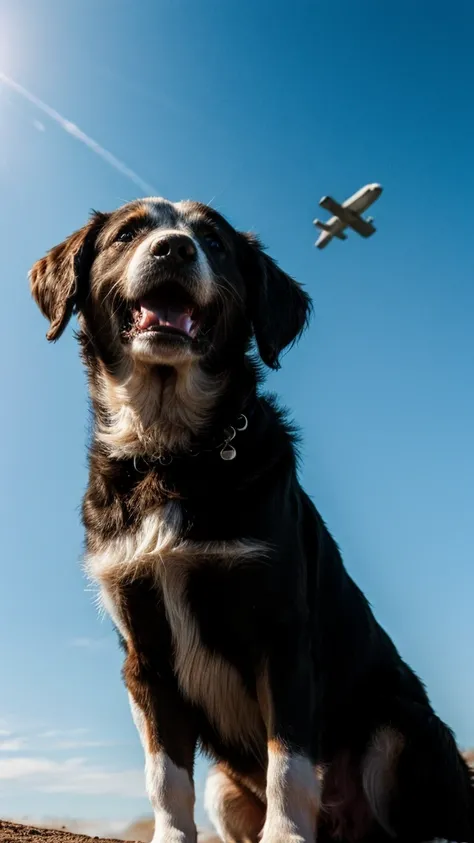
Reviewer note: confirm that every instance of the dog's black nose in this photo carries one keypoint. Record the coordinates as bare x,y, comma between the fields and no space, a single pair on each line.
178,247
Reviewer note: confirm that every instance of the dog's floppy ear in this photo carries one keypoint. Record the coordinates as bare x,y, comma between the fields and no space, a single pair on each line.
57,280
279,308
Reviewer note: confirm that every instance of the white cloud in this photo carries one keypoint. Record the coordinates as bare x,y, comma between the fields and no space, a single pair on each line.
12,744
53,740
62,733
77,133
74,775
68,744
39,125
28,762
65,739
18,768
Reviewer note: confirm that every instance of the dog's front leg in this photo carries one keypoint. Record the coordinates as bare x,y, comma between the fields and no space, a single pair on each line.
287,702
165,724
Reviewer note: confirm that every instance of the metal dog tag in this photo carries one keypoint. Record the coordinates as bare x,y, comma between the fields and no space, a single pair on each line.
228,452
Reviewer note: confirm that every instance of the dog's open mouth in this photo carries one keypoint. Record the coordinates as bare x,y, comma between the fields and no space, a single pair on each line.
165,312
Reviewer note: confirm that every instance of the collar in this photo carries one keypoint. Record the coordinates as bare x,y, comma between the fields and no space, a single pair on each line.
224,443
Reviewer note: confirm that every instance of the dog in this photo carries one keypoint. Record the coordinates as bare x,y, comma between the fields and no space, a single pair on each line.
243,634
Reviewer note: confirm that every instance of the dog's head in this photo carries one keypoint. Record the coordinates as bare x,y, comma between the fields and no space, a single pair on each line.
166,283
162,286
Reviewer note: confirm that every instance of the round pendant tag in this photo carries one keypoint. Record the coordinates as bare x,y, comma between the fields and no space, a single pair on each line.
228,453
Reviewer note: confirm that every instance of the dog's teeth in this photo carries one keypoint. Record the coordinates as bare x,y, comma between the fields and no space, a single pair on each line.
147,315
187,325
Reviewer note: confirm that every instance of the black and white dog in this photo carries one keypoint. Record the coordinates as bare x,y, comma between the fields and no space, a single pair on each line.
243,633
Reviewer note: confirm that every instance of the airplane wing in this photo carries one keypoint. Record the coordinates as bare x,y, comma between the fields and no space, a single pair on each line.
351,218
364,228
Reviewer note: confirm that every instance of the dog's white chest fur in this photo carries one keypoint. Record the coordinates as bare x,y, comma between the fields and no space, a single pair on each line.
156,550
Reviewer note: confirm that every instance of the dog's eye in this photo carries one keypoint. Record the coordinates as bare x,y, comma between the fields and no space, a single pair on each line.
126,235
214,242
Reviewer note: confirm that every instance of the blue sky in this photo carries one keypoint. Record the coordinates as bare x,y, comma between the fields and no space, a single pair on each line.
260,108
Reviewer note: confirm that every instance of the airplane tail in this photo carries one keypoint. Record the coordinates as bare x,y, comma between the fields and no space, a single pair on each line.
322,225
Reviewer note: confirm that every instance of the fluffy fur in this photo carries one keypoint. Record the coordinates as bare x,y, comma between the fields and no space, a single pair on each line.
242,631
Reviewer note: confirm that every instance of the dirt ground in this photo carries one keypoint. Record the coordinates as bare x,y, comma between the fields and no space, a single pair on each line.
14,833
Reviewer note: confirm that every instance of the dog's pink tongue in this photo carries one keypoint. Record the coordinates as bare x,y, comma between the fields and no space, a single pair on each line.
166,317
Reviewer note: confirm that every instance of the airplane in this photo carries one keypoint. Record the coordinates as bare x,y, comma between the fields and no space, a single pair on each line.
347,215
